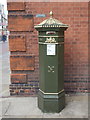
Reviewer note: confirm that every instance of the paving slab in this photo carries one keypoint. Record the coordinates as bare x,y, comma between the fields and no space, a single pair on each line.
0,108
26,107
23,107
5,69
75,109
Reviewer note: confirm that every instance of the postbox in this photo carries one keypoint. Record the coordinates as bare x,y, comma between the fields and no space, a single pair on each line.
51,95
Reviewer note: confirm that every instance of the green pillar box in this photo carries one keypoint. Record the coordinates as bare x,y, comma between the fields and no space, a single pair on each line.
51,96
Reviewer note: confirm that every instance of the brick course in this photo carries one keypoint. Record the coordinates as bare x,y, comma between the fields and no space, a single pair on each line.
16,6
75,14
19,78
17,43
20,22
21,62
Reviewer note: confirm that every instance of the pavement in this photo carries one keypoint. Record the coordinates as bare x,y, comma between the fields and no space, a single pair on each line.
4,69
26,107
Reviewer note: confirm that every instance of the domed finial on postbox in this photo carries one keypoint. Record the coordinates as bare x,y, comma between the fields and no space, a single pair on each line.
51,14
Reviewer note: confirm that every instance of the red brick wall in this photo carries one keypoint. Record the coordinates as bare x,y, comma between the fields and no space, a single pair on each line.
89,46
23,42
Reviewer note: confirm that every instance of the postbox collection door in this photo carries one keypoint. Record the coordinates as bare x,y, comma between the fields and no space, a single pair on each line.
51,67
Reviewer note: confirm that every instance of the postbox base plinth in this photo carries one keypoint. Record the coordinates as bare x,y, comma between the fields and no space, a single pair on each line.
51,103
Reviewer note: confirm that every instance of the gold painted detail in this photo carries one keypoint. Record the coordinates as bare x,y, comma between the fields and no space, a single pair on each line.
50,40
52,93
51,14
60,43
40,36
51,69
51,22
48,43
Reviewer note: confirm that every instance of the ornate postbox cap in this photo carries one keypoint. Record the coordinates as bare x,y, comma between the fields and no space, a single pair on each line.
51,23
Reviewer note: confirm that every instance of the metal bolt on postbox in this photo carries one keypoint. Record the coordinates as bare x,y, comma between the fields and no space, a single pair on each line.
51,95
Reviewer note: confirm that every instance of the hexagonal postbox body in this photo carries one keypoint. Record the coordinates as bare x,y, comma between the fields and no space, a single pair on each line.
51,96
